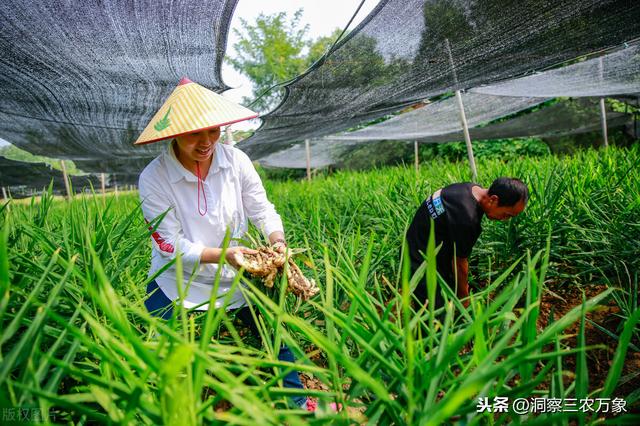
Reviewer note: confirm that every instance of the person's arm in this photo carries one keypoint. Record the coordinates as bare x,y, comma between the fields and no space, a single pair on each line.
461,269
233,255
260,211
168,237
461,266
463,245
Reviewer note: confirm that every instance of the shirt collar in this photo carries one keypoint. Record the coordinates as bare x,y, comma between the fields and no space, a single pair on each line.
177,171
220,160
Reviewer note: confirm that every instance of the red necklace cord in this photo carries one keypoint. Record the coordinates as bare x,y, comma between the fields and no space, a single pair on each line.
204,195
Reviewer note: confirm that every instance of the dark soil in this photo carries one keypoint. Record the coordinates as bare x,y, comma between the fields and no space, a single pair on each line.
567,297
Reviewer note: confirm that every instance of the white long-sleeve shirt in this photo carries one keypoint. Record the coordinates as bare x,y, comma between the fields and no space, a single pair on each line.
234,193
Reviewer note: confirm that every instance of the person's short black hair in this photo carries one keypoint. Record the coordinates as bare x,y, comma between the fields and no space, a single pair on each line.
509,191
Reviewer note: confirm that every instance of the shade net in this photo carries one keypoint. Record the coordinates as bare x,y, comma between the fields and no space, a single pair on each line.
563,118
323,153
119,166
410,50
441,117
80,80
121,171
617,73
22,178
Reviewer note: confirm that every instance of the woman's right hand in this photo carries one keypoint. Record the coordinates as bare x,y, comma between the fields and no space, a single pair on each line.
234,255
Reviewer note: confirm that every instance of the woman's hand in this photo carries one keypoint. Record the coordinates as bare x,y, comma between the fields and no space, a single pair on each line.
234,255
280,246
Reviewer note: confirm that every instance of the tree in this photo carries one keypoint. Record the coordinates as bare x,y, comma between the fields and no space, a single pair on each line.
270,51
274,50
322,44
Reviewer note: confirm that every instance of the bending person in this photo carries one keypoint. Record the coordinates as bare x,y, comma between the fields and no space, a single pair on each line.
456,212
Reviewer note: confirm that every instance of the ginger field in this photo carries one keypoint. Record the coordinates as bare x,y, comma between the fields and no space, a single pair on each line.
553,313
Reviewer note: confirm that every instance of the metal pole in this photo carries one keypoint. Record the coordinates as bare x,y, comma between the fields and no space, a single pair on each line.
102,183
66,178
603,111
415,154
229,140
4,193
467,137
308,150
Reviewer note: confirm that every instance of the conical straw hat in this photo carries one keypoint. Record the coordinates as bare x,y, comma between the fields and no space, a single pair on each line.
191,108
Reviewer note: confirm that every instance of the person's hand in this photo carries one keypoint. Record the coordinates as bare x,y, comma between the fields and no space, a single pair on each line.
279,246
235,255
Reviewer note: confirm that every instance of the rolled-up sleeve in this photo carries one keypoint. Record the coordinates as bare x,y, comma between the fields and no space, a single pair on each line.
260,211
167,237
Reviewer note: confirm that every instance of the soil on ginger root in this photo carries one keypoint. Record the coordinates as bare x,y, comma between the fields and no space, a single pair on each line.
599,361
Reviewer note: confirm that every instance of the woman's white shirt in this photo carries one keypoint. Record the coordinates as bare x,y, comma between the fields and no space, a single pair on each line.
234,194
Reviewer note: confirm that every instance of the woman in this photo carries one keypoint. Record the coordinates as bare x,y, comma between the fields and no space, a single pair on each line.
204,189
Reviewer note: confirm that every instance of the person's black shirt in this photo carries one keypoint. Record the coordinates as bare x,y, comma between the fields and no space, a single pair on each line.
457,217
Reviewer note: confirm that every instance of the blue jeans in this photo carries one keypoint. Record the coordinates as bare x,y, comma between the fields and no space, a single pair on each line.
158,304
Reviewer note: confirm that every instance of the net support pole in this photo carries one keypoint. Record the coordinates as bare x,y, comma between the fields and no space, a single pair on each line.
227,131
65,176
467,137
463,116
603,111
307,149
603,122
4,195
102,183
415,155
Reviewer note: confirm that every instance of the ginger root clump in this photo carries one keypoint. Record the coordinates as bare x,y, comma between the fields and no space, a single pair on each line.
267,263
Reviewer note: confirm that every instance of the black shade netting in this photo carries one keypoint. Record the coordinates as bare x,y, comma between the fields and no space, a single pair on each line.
563,118
122,179
567,117
120,171
616,73
410,50
81,80
441,117
22,178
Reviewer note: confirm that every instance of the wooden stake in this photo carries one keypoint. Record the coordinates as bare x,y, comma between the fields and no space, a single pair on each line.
415,154
463,116
6,198
603,111
603,122
308,150
102,183
467,137
229,140
66,179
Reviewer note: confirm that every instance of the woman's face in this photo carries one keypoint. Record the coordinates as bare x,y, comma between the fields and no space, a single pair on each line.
198,146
